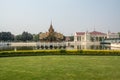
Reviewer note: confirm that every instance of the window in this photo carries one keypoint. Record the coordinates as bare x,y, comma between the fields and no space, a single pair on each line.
79,38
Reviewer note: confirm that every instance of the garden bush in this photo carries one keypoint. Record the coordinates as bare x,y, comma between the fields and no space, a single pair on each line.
58,52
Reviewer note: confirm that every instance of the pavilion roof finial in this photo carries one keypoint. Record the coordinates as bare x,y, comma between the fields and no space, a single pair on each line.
51,27
94,27
51,22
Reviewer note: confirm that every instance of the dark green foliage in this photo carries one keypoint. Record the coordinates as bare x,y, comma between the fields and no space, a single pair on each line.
71,38
119,34
59,52
35,37
63,51
25,36
18,38
6,36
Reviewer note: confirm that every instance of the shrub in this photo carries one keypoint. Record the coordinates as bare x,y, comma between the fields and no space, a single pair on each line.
58,52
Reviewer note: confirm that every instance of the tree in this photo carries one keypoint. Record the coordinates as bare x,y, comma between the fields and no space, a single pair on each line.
35,37
119,34
26,36
71,38
6,36
18,38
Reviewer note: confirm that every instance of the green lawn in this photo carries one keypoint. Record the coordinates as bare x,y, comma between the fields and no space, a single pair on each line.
60,68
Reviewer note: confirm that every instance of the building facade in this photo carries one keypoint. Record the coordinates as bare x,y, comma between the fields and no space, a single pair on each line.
112,35
93,36
51,36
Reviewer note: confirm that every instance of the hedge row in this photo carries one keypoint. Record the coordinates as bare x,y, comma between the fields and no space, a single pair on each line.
58,52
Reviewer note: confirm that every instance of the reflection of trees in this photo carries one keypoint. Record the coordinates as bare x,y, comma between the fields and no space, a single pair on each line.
64,46
46,47
60,47
55,47
95,47
42,47
51,46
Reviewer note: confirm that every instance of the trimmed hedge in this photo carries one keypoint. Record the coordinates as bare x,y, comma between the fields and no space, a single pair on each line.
58,52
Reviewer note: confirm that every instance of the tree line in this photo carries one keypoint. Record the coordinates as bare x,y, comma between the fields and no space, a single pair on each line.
25,36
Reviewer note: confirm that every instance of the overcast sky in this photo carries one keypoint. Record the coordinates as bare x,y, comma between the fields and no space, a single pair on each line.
67,16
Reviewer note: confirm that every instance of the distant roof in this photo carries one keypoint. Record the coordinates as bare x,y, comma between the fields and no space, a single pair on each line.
92,33
80,33
113,33
97,33
67,38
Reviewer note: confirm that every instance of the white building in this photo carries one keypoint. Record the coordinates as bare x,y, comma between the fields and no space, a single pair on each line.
112,35
93,36
83,40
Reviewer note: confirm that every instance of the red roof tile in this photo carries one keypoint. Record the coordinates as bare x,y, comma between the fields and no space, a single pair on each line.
97,33
92,33
80,33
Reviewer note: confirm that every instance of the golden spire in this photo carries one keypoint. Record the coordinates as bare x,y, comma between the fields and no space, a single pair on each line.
51,28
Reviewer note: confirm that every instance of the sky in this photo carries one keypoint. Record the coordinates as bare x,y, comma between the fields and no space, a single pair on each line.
67,16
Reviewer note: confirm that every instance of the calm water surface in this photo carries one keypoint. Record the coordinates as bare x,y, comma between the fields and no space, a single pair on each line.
7,47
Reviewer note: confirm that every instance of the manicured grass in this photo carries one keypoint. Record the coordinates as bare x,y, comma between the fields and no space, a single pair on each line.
64,67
